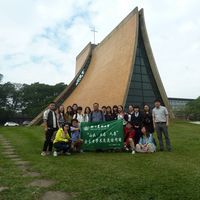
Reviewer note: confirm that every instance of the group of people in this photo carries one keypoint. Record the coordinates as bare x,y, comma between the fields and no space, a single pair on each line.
63,129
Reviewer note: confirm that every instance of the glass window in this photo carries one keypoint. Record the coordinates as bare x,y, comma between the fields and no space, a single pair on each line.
147,86
137,60
149,99
137,85
137,92
136,69
146,62
151,78
130,92
148,93
144,70
143,53
138,52
145,78
136,98
136,77
140,42
130,98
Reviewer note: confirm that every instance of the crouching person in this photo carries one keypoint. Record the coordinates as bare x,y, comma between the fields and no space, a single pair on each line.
129,134
146,144
76,137
62,140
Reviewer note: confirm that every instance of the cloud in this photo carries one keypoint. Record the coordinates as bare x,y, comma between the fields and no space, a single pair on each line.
41,39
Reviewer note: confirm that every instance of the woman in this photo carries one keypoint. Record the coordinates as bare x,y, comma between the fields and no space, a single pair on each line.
129,115
109,115
69,114
61,115
75,106
121,114
148,119
115,111
146,144
137,122
86,114
62,140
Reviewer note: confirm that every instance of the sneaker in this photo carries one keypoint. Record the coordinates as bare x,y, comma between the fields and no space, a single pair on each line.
127,149
67,153
55,153
50,153
160,150
81,151
146,152
43,153
133,152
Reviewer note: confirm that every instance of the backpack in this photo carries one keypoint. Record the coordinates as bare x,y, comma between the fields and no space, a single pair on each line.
53,136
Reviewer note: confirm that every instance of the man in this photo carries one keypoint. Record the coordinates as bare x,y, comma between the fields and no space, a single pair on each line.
129,134
96,115
161,124
76,136
51,125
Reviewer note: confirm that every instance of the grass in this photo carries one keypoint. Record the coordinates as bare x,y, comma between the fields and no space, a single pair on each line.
162,175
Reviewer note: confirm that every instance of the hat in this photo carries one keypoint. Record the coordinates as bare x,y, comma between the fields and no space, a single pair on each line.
157,100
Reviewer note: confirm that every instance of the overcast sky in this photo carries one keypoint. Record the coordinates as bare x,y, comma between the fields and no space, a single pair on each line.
40,39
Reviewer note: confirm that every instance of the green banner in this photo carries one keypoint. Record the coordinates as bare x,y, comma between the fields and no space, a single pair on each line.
102,135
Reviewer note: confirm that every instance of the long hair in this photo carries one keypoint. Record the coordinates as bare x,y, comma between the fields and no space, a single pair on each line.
72,112
115,106
150,113
147,132
69,130
110,110
89,110
63,112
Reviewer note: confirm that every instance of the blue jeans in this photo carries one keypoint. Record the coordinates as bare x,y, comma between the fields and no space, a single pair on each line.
61,146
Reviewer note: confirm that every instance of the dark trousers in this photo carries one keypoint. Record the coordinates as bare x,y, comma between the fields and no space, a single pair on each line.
137,135
161,128
48,142
61,147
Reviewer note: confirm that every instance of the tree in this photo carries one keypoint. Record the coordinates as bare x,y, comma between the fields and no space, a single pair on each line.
192,110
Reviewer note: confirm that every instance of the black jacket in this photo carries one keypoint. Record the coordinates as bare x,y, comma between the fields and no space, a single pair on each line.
138,121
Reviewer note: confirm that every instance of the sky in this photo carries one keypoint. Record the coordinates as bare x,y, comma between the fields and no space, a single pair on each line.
40,39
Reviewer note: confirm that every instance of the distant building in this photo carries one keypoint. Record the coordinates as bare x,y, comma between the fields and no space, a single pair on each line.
120,70
177,103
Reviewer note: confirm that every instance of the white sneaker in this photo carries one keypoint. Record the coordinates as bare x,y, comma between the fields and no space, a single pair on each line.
127,149
133,152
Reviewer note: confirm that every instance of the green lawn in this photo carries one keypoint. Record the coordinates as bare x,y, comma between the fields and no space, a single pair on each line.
161,175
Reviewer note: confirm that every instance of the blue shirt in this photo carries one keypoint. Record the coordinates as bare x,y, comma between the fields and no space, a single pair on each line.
74,134
97,116
149,140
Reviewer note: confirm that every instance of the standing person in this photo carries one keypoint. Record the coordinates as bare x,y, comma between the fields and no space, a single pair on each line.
148,119
115,111
76,136
161,124
62,140
109,115
74,106
79,116
129,115
96,115
69,114
103,108
121,114
51,125
86,114
146,144
61,115
129,134
137,122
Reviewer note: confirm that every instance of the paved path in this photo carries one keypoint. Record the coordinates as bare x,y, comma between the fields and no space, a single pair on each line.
195,123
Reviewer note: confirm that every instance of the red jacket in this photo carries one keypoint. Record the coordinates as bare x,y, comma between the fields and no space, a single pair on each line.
131,134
